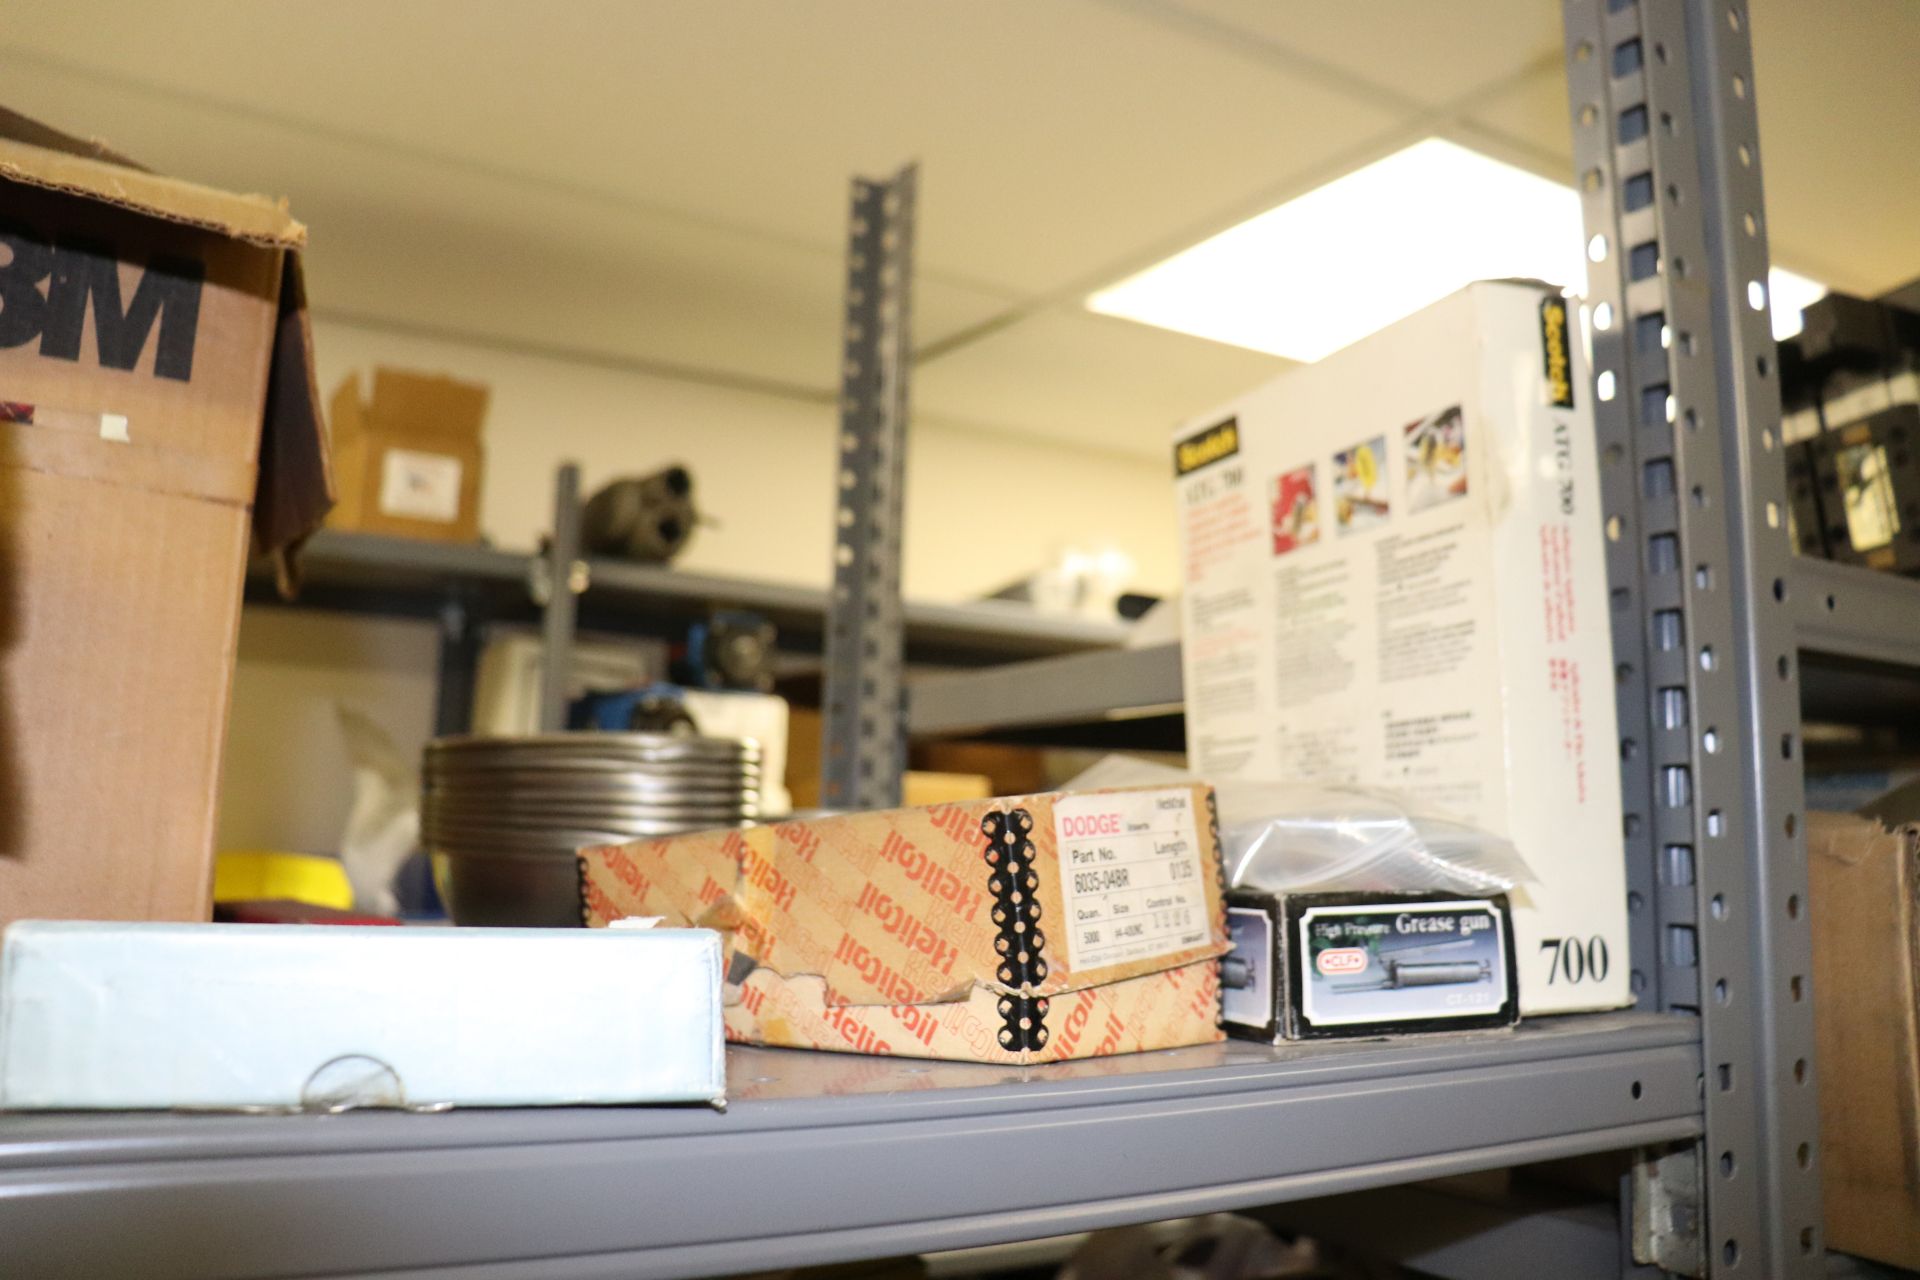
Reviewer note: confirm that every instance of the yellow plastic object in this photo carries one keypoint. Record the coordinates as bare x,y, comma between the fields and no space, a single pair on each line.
243,874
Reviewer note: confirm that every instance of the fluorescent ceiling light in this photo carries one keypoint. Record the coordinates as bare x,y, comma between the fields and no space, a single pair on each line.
1343,260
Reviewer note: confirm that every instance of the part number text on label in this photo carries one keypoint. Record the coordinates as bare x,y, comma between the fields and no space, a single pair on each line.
1576,961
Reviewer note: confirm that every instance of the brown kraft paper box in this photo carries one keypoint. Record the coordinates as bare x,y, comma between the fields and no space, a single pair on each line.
408,462
1018,930
1864,884
156,409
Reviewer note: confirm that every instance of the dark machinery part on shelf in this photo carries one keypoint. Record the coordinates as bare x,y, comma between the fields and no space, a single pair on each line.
1868,489
654,708
1850,388
647,519
733,649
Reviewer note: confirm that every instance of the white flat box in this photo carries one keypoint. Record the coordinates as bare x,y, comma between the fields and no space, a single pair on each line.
1395,576
222,1016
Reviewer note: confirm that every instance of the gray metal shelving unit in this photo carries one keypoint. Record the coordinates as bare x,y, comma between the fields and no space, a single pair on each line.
399,577
1857,632
465,589
824,1157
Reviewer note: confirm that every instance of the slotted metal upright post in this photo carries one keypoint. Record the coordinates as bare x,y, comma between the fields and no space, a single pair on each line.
864,745
563,583
1688,415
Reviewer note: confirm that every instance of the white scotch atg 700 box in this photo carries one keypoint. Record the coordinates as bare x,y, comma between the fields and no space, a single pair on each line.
1394,577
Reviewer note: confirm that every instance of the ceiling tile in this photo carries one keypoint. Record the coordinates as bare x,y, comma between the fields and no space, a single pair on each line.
446,250
1414,53
1532,113
1056,139
1840,137
1839,110
1090,379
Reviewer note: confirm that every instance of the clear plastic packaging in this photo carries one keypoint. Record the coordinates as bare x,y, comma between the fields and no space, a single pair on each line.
1293,837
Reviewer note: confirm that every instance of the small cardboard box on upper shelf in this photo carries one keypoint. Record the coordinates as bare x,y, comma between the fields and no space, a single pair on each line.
156,408
1025,929
409,460
1394,576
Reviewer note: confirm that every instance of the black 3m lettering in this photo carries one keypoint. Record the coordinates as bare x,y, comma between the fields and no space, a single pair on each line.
77,274
22,308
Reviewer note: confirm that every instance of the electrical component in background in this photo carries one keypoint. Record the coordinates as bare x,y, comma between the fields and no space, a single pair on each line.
659,707
654,708
1078,582
733,649
1850,397
647,519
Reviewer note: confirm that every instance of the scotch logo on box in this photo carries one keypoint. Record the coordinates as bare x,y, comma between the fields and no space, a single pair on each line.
1221,440
1556,354
78,275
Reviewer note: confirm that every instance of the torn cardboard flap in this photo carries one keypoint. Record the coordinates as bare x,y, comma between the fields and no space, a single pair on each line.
1002,905
1170,1009
1850,840
101,174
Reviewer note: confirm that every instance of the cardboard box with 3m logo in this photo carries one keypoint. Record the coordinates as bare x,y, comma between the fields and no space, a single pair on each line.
156,411
1025,929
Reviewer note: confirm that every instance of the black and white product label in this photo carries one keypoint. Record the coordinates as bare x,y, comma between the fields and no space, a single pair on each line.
1131,876
1413,962
1251,1005
420,486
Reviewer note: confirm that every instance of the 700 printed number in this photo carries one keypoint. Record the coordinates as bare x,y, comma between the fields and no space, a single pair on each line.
1574,960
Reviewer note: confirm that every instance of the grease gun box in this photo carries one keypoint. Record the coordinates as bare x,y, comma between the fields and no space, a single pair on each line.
1023,929
1319,965
1395,577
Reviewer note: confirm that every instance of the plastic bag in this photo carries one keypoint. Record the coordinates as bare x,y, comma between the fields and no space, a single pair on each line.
383,826
1297,836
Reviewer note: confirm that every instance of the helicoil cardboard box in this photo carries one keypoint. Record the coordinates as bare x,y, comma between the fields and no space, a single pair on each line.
1017,930
408,460
1394,577
156,410
1322,965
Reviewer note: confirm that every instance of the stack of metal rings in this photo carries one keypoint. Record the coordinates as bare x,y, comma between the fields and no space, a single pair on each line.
502,817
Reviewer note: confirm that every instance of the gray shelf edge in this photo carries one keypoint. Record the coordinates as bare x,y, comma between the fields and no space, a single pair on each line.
987,624
1073,689
822,1177
379,563
1846,611
1839,610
